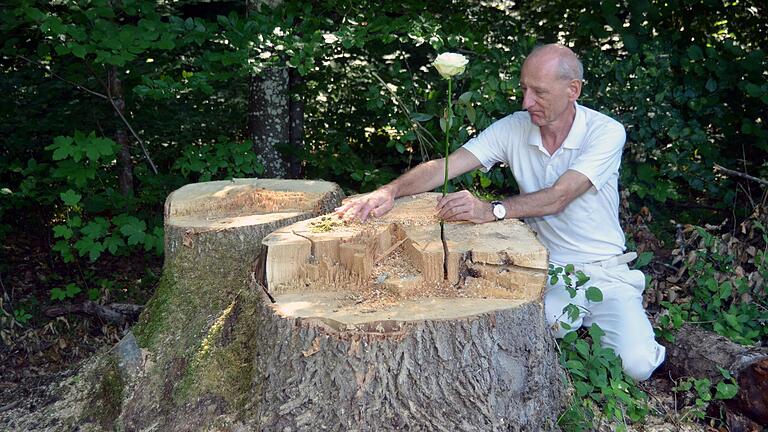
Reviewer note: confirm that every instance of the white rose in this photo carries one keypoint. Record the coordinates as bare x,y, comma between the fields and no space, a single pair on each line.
450,64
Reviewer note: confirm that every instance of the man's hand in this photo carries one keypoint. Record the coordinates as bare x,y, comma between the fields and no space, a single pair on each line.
463,206
376,203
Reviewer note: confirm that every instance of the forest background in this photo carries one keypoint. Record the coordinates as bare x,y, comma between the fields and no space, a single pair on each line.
109,105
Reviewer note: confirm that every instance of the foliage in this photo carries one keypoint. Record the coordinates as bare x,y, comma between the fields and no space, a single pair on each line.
687,79
699,391
726,295
602,390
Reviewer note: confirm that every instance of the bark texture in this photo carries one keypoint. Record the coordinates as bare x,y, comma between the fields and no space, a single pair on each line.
268,119
700,353
124,162
492,372
296,107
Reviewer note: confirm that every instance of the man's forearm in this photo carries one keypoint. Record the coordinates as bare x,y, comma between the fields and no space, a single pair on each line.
551,200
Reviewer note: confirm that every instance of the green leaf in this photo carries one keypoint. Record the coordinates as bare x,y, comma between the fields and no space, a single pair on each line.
582,389
62,231
569,268
97,147
94,294
96,228
62,148
114,243
471,114
596,332
79,50
594,294
134,230
421,117
58,294
465,98
725,390
753,90
643,259
72,290
70,197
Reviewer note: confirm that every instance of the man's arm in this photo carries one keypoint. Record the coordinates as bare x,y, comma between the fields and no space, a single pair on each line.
552,200
422,178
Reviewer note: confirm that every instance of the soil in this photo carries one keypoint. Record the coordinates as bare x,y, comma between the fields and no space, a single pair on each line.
37,351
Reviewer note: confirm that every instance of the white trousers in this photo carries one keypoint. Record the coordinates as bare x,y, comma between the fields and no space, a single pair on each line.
621,315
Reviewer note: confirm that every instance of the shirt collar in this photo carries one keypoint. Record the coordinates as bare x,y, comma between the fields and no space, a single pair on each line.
575,136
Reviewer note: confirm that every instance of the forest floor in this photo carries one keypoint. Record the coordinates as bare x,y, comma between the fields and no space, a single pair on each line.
38,349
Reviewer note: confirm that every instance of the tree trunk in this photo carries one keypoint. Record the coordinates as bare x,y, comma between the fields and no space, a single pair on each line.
375,338
296,109
124,162
699,353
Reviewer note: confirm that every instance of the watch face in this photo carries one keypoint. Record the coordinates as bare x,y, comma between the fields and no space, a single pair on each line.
499,211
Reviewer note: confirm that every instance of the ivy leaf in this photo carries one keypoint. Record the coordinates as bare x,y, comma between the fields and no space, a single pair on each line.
62,231
87,245
72,290
114,243
594,294
98,147
62,148
58,294
96,228
62,247
70,197
134,230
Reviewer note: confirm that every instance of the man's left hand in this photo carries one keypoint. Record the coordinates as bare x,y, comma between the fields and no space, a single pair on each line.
463,206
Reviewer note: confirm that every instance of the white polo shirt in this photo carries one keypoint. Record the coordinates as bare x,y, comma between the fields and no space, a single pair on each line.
588,229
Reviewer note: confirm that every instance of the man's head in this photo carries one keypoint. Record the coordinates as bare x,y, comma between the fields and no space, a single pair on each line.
551,83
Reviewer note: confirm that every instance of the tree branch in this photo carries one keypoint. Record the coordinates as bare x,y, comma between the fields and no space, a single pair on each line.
135,135
115,313
78,86
740,174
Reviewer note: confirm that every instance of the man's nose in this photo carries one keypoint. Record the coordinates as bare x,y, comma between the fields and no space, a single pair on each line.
528,100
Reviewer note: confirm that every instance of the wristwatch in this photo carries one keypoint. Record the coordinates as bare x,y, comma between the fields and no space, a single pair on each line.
499,211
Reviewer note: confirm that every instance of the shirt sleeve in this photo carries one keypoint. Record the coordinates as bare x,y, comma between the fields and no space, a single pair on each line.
490,146
601,157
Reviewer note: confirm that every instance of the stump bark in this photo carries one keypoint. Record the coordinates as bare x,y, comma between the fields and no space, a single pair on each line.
374,334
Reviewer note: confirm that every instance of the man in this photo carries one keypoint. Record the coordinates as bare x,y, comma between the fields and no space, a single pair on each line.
565,159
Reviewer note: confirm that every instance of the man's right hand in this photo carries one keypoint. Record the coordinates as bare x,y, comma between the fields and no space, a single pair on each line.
376,203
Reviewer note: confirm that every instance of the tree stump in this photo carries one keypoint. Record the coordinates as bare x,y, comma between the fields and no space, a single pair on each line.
325,326
376,330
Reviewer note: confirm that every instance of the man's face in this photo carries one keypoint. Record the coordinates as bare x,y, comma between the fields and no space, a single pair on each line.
546,96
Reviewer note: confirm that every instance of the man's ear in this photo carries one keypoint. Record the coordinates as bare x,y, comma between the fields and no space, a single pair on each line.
574,89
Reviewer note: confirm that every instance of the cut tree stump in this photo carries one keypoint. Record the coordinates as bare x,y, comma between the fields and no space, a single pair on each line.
372,334
366,333
700,353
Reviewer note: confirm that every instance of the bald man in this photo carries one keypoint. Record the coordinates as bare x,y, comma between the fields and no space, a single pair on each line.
565,159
